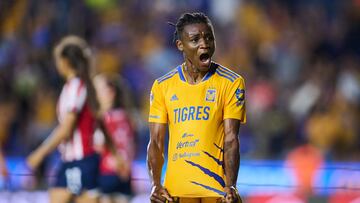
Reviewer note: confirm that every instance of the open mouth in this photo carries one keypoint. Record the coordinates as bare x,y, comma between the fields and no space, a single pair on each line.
204,57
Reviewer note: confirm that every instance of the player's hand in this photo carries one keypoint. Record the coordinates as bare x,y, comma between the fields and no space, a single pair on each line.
4,172
231,196
34,160
123,169
159,195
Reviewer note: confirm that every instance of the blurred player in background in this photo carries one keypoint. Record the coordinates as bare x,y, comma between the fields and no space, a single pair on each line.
203,104
114,179
77,109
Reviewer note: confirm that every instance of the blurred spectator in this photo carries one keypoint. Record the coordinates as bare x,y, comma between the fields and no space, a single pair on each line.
305,162
300,59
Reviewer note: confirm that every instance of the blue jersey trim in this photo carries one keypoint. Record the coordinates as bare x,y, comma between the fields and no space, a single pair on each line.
168,73
182,77
167,76
208,172
221,149
222,75
209,188
232,73
211,71
220,163
226,73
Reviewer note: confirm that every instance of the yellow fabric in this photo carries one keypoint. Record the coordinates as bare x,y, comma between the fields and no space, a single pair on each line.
198,200
195,115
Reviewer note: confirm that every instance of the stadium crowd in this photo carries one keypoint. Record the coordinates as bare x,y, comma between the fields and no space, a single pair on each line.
300,60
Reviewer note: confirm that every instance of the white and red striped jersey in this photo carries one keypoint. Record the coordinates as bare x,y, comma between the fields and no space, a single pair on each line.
73,99
119,127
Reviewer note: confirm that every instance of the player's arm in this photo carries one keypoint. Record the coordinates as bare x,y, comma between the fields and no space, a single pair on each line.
155,161
3,168
127,152
231,157
60,133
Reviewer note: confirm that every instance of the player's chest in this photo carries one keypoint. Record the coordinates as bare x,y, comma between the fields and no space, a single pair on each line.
186,94
191,103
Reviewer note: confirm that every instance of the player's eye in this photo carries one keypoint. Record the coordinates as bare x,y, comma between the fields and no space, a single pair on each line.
196,39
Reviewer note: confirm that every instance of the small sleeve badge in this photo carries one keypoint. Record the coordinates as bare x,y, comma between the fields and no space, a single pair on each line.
240,96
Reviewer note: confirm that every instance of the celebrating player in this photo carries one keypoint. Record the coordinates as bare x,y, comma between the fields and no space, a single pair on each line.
203,104
77,109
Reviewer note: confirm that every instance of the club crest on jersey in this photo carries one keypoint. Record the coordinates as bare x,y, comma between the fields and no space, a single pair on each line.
240,96
210,95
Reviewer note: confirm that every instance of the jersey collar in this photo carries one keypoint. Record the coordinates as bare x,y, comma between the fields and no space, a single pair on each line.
207,76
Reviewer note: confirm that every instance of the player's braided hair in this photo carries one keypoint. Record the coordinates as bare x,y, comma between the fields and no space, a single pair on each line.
188,19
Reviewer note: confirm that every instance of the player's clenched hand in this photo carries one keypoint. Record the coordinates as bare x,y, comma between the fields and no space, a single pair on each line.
159,194
232,195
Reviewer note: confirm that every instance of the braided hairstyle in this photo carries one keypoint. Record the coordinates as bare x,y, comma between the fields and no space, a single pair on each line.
188,19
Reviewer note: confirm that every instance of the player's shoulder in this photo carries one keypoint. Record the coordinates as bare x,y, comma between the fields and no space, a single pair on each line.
227,74
169,75
75,84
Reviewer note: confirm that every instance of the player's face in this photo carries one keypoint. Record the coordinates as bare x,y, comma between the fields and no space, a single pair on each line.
198,45
105,94
61,65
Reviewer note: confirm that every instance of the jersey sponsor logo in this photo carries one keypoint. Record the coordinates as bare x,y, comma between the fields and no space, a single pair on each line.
174,98
177,156
186,144
154,116
240,96
210,95
151,97
187,135
191,113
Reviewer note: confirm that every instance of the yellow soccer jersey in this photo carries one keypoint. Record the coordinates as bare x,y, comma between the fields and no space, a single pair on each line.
195,115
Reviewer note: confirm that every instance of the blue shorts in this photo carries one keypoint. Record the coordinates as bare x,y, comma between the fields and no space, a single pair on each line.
109,184
79,175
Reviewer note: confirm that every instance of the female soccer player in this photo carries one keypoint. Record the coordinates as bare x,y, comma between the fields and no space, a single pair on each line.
77,109
114,180
203,128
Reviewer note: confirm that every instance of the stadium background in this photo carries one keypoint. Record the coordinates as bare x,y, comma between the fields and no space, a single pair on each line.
300,60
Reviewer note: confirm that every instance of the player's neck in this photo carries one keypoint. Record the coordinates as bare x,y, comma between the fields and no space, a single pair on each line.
193,76
70,76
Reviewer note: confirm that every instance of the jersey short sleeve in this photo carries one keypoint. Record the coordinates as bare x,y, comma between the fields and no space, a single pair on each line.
76,96
158,113
234,106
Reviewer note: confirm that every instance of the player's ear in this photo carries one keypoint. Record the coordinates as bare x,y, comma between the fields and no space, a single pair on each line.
179,45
